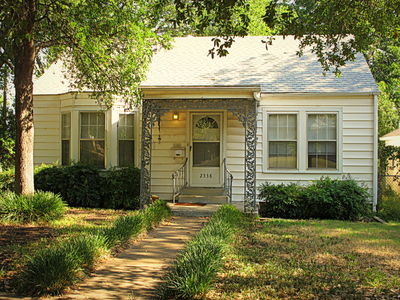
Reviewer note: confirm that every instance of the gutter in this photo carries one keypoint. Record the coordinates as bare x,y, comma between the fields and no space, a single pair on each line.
375,159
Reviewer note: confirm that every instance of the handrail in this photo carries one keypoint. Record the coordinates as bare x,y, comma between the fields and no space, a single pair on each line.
228,178
179,180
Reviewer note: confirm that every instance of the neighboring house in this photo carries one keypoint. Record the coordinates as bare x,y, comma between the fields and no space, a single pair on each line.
392,138
261,115
392,176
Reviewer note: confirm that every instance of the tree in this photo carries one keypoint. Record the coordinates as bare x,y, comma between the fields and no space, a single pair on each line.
108,44
105,44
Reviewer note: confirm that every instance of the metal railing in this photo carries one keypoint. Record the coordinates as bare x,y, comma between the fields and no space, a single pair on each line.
228,178
179,180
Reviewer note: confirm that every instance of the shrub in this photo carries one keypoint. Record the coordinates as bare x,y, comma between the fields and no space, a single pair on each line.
123,188
7,180
196,267
281,200
336,199
7,177
390,208
323,199
79,185
39,207
87,186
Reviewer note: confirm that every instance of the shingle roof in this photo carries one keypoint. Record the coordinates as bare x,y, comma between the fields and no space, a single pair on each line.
276,70
395,132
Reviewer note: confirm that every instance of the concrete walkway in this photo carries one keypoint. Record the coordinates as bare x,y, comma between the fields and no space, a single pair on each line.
136,272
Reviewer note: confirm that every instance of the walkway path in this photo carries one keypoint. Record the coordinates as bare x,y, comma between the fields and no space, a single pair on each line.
136,273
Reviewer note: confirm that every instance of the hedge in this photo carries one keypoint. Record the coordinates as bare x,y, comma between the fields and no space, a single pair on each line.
323,199
85,186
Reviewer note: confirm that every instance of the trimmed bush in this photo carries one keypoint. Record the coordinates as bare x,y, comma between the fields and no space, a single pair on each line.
79,185
53,269
197,265
87,186
390,208
323,199
39,207
122,188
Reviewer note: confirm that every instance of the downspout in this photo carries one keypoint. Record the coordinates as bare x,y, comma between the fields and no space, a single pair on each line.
375,158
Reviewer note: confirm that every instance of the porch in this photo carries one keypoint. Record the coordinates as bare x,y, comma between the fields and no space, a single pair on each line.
199,147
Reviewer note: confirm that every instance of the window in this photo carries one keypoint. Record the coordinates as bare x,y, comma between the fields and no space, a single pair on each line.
126,140
92,142
322,141
65,138
282,141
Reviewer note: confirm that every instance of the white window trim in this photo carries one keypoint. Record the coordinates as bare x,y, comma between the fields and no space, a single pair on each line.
302,142
266,115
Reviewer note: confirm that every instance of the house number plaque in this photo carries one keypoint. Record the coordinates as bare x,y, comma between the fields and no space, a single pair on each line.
202,175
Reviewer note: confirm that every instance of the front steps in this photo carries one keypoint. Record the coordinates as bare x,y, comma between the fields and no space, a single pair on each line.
203,195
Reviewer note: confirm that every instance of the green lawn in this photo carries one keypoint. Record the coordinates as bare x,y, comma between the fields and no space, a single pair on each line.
312,259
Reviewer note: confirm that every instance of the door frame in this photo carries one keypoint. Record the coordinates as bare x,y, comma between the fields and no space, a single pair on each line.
223,125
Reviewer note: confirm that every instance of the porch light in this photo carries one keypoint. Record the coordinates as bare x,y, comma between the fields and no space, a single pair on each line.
175,116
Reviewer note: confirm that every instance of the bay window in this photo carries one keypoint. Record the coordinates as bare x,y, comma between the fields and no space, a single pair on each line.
92,138
65,138
126,140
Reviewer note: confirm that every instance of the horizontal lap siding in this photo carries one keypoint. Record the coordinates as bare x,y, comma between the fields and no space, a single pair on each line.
173,135
358,137
46,111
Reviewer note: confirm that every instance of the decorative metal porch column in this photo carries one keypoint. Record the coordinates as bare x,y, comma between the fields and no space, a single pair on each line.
150,114
248,117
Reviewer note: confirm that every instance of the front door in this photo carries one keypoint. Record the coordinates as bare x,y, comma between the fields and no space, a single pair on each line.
206,136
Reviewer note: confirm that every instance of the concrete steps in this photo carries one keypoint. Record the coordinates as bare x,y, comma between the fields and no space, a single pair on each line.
203,195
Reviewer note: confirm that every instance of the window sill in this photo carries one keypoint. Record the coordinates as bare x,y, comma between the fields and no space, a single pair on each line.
286,171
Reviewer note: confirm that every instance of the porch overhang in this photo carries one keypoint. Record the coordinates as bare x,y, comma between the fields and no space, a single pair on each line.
245,109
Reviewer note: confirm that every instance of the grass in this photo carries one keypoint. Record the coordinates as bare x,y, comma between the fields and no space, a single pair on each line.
52,269
20,241
39,207
295,259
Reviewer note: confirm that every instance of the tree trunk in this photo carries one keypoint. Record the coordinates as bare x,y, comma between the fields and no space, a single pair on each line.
25,53
5,91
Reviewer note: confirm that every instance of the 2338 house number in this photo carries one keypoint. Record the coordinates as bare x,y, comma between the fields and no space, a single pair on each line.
203,175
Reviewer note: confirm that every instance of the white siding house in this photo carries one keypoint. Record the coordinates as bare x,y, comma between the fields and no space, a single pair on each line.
308,124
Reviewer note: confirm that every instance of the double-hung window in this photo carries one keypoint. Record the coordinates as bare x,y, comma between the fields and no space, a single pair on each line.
322,140
92,141
65,138
126,140
282,141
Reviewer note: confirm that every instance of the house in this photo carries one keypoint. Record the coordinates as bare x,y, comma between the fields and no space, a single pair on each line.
224,124
392,176
392,138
